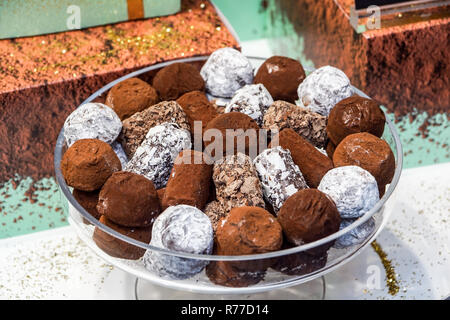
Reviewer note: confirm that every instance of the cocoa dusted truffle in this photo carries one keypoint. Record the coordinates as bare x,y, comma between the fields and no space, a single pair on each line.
368,152
88,163
355,114
297,264
189,181
137,126
281,76
308,124
225,274
312,163
176,79
118,248
130,96
308,215
330,147
88,200
238,123
129,199
160,193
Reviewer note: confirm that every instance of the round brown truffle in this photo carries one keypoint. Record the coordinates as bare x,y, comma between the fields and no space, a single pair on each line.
233,121
368,152
308,215
330,149
88,163
355,114
176,79
88,200
131,96
129,199
118,248
281,76
223,273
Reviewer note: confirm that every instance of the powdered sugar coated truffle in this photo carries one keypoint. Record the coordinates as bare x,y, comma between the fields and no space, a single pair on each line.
356,235
323,88
180,228
92,121
353,190
225,71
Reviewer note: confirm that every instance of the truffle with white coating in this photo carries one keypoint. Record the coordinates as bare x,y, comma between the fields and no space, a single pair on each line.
155,156
226,71
253,100
280,177
180,228
356,235
353,189
323,89
92,121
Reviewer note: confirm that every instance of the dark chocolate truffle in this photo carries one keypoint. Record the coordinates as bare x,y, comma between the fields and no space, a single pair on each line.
223,273
352,115
368,152
88,163
312,163
129,199
189,181
308,215
131,96
118,248
176,79
88,200
281,76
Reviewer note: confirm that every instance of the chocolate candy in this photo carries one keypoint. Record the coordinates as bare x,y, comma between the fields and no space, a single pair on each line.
225,71
130,96
129,199
154,157
176,79
353,190
189,181
237,183
281,76
279,175
120,153
308,215
368,152
297,264
88,200
253,100
353,115
311,161
225,274
330,147
322,89
215,211
356,235
88,163
179,228
136,127
92,121
308,124
119,248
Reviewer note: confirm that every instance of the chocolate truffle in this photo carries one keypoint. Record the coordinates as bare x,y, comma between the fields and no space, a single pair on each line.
176,79
281,76
197,108
312,163
370,153
92,121
137,126
238,123
189,181
154,157
352,115
280,177
353,190
225,71
88,200
356,235
160,193
253,100
130,96
129,199
308,215
322,89
237,183
88,163
215,211
308,124
330,147
180,228
223,273
118,248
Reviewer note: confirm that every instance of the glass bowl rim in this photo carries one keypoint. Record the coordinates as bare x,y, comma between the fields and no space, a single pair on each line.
60,142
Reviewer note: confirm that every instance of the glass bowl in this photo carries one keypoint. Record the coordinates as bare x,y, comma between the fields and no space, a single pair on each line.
297,262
